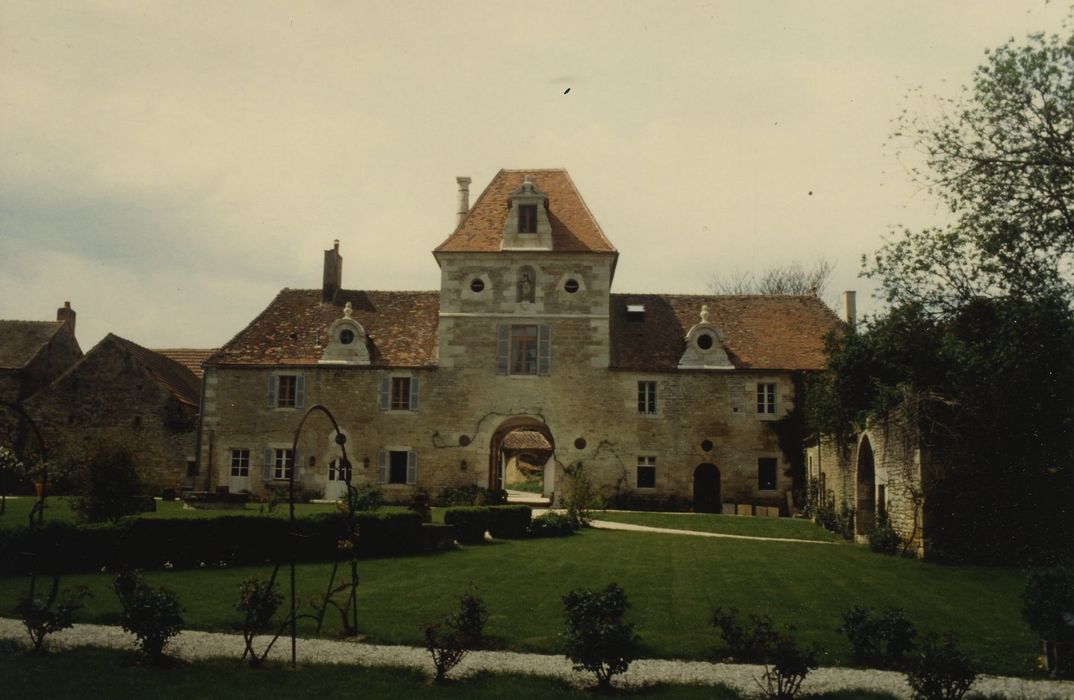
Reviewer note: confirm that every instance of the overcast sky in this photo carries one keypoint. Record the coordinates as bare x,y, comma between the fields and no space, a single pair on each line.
168,167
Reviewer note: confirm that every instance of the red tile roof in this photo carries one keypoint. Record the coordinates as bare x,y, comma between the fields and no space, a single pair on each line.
20,341
760,332
166,372
526,440
293,330
574,230
190,358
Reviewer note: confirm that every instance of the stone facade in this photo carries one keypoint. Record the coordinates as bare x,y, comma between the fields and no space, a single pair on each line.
524,333
123,394
889,465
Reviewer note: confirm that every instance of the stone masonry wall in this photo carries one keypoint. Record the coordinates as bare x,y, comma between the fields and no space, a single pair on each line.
111,399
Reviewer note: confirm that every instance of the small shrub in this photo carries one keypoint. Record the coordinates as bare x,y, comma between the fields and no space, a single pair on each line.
470,523
581,496
940,671
448,642
597,638
469,621
445,647
550,525
110,486
1049,595
878,641
746,642
786,666
883,539
509,522
44,615
258,602
472,495
152,615
421,504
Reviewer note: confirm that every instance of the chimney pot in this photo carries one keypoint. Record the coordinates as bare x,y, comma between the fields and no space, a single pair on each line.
850,311
333,273
464,199
66,314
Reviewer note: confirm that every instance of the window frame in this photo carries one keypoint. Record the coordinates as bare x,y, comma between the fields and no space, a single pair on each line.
527,218
648,464
239,463
295,385
400,394
767,395
524,350
283,463
647,403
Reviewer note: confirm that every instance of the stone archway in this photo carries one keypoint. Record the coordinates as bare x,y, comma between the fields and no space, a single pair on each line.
865,508
497,453
707,489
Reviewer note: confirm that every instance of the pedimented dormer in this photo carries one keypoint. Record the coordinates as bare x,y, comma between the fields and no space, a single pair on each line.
704,346
527,226
347,341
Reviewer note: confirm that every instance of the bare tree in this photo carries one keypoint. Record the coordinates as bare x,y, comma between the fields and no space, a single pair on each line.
794,278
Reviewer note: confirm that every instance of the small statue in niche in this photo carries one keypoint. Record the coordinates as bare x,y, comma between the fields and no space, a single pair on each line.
525,286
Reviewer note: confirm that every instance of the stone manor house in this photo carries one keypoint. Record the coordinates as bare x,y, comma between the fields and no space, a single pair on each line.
652,396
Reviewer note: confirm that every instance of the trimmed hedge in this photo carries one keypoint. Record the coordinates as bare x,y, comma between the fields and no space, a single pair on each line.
60,547
470,523
551,525
509,522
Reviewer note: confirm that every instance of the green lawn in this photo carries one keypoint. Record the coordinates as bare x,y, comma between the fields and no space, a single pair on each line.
88,674
725,524
673,583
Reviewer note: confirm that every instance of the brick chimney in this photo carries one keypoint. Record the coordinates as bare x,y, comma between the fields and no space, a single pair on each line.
66,314
333,273
850,308
464,198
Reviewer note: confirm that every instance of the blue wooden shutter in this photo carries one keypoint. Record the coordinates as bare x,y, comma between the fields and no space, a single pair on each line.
415,388
544,349
385,393
300,391
411,467
267,465
271,392
382,467
503,347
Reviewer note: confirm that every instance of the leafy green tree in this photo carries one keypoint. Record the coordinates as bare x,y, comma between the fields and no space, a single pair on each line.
597,638
1001,157
14,475
977,344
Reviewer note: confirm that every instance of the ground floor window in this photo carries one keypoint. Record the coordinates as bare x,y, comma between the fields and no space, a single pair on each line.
398,467
646,477
283,463
240,462
339,470
766,473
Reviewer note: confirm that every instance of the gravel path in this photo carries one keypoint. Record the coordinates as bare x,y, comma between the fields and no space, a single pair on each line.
611,525
193,645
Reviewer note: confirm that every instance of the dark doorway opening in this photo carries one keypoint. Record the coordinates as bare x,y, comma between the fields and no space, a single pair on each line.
707,489
865,513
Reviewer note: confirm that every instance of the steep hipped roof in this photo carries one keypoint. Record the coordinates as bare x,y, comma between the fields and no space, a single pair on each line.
760,332
21,341
190,358
293,330
574,230
166,372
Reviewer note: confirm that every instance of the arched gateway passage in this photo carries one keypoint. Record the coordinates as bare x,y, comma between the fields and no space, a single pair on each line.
525,444
865,513
707,489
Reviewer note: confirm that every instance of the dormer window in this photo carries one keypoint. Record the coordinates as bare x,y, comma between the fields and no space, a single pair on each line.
347,341
527,218
704,346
